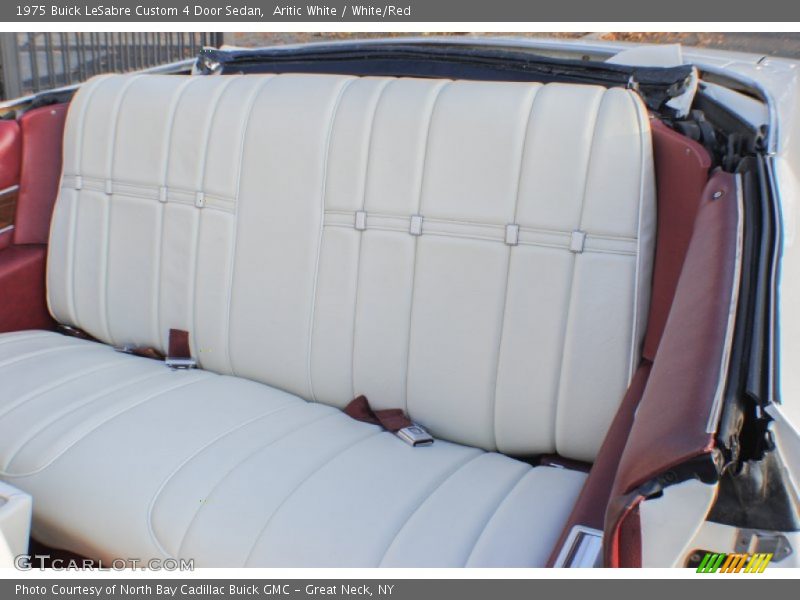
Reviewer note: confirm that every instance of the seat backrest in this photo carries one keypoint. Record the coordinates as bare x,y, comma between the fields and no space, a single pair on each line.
475,253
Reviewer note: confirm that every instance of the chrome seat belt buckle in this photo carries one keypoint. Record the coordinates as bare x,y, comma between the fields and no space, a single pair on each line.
414,435
175,363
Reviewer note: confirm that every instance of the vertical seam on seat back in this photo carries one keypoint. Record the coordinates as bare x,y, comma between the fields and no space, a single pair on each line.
323,195
194,338
159,335
637,273
74,209
109,205
359,235
234,240
574,259
525,137
434,104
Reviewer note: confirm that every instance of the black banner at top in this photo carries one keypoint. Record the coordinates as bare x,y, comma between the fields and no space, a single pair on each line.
376,11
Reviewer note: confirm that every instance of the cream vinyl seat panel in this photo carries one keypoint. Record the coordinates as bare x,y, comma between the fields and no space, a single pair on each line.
475,253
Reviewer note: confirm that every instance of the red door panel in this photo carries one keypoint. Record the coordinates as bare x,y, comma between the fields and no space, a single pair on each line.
30,168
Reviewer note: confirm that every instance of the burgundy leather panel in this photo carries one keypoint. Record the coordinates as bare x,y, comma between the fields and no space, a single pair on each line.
681,174
623,548
5,239
22,289
670,425
42,136
590,509
10,153
671,421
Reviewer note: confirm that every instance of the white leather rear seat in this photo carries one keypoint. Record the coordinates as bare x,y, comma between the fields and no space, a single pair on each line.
477,254
125,458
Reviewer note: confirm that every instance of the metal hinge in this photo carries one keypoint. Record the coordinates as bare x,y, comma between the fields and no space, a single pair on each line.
753,541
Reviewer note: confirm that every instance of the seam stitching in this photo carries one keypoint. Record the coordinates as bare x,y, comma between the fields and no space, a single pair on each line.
523,151
334,111
141,401
568,311
41,427
194,338
235,238
493,513
243,460
305,480
161,209
426,495
434,103
105,255
360,235
75,207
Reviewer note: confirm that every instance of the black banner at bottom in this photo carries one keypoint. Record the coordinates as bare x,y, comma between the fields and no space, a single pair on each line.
732,587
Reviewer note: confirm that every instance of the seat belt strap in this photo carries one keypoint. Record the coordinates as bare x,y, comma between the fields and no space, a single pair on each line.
392,420
179,354
360,410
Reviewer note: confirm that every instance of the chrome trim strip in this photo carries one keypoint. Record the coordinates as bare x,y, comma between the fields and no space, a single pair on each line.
776,273
9,190
583,548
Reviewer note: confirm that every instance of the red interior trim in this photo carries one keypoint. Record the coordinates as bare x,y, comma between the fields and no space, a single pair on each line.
623,538
30,155
671,421
10,153
22,289
681,174
42,139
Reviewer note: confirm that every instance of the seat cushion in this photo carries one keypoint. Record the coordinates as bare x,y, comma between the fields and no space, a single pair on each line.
126,458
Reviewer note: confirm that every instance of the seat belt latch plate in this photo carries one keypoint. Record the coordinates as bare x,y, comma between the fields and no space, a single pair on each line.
179,355
414,436
179,362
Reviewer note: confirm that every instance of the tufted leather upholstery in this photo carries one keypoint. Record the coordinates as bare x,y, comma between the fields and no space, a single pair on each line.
477,254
